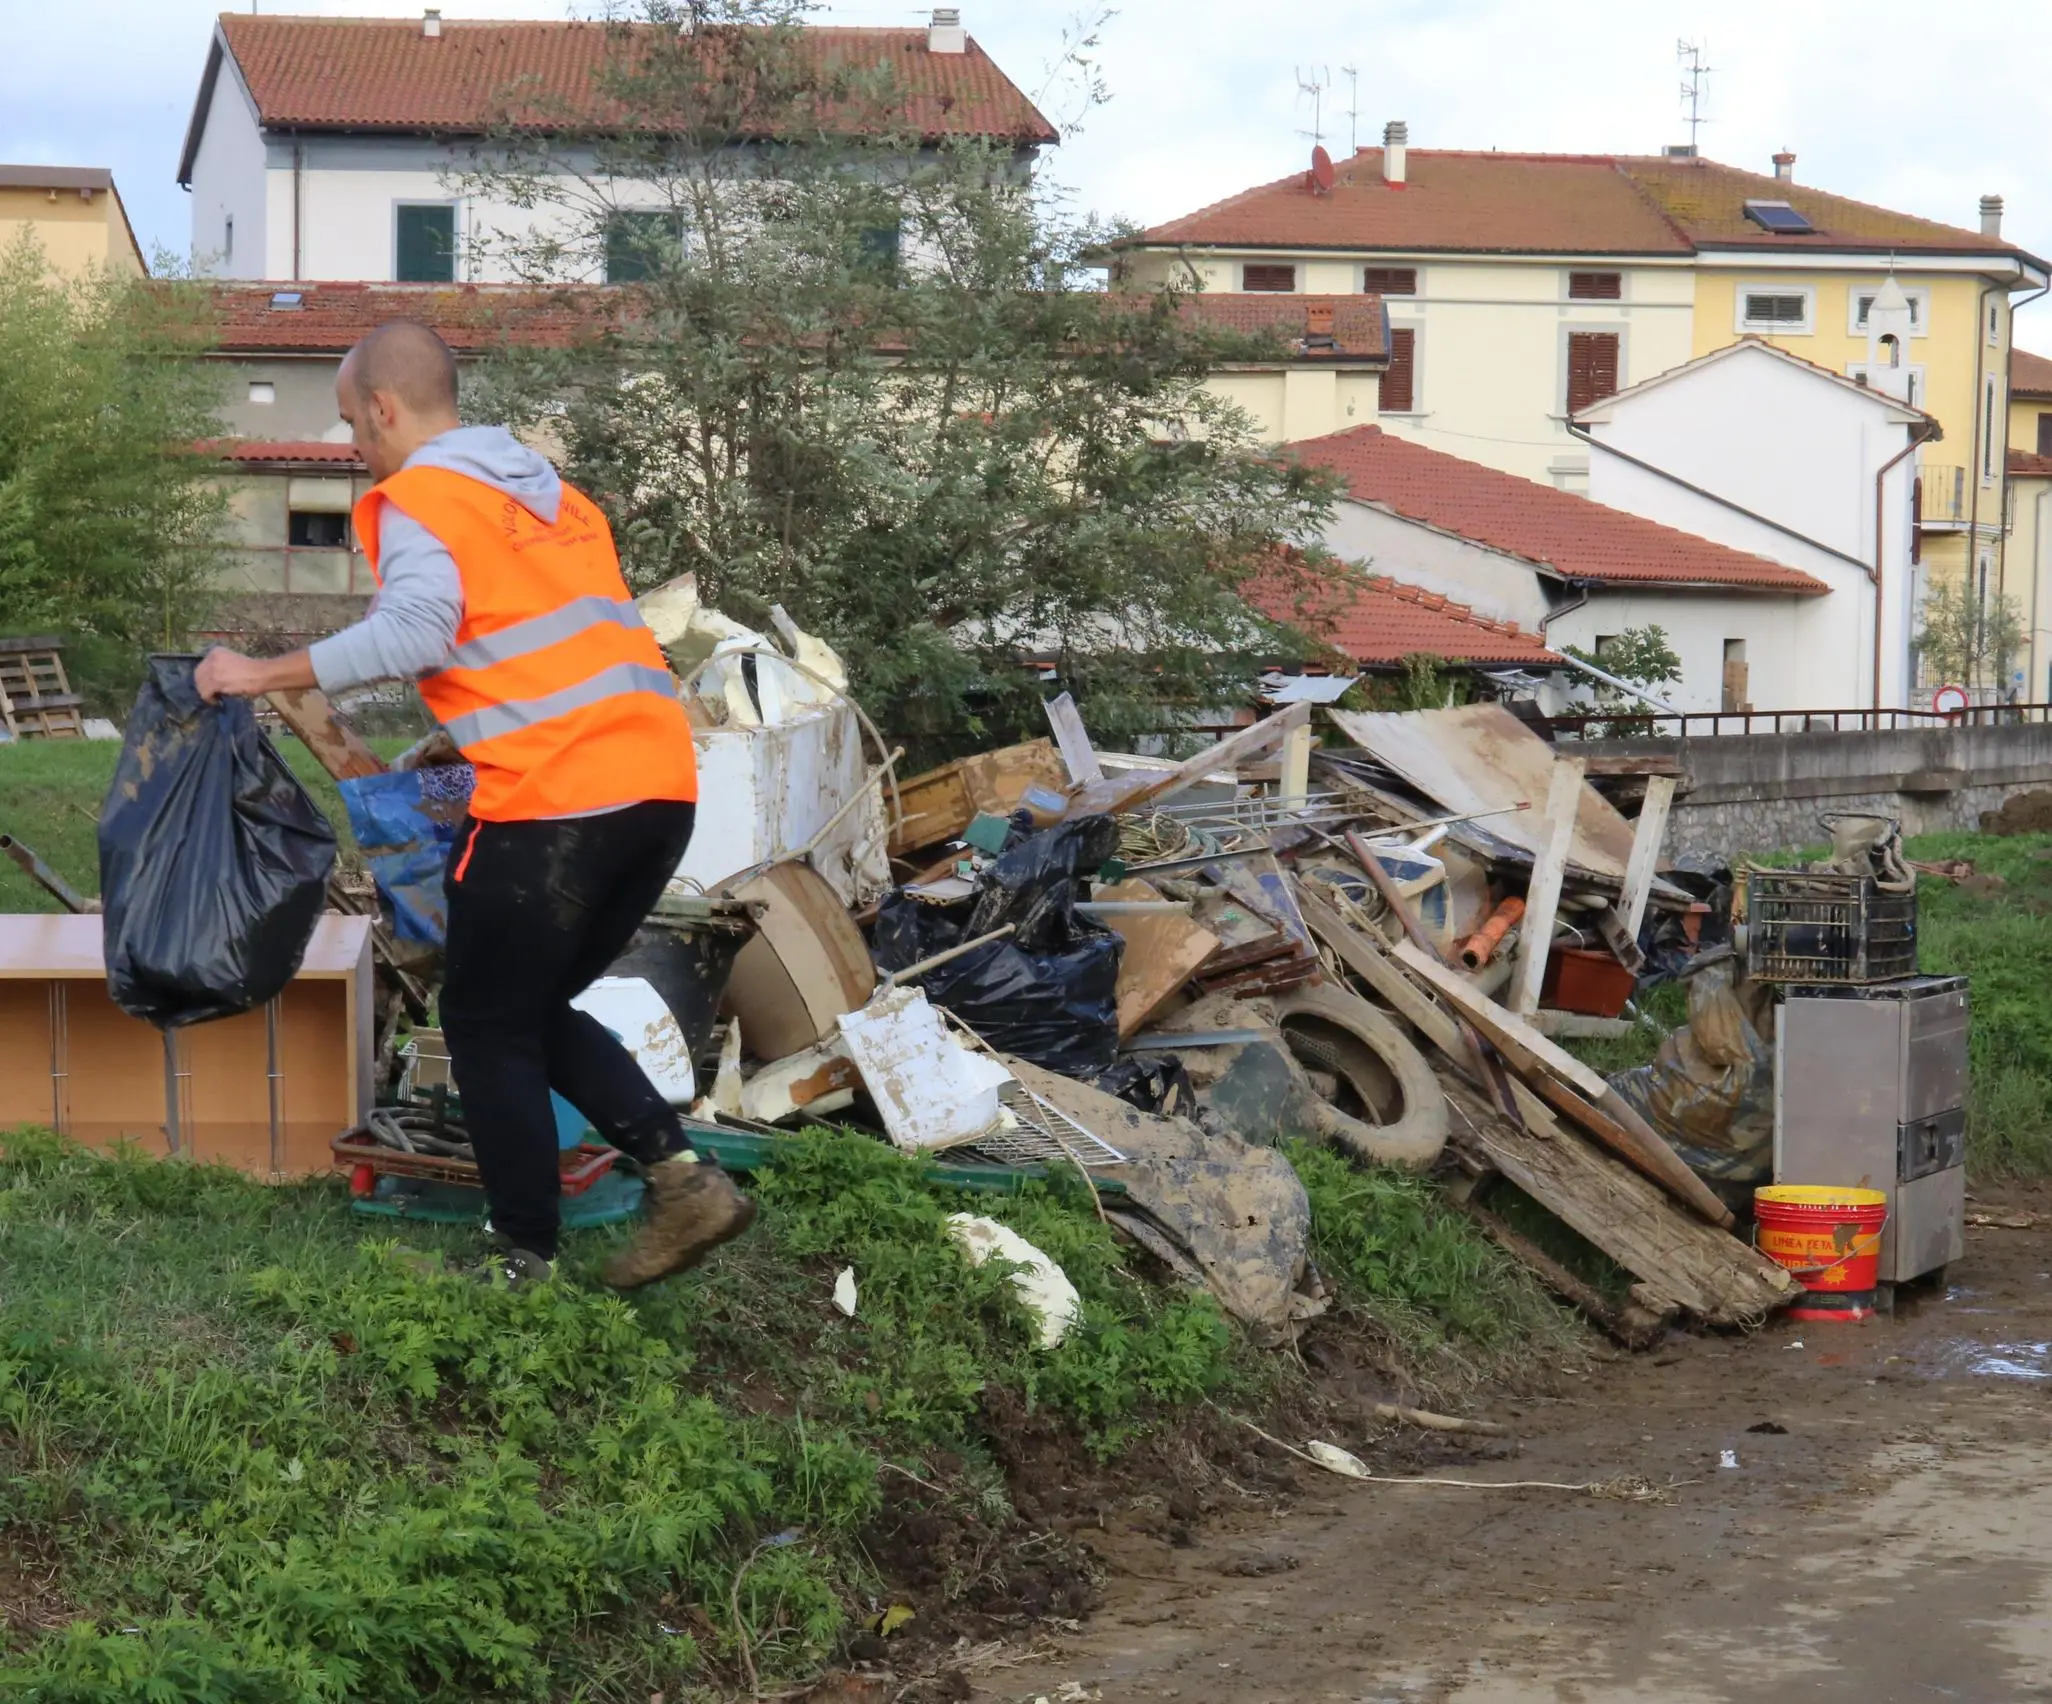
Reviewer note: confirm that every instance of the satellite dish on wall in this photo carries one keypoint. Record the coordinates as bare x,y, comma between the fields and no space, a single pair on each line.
1322,173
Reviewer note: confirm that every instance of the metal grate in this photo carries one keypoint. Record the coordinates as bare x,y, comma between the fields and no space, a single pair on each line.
1040,1135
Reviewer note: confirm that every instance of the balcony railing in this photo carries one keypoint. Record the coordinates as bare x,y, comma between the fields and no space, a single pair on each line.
1712,724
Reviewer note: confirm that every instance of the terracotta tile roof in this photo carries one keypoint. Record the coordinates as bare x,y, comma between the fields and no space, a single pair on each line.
1380,621
1570,204
260,450
387,74
331,317
1574,537
2025,464
1336,327
2029,375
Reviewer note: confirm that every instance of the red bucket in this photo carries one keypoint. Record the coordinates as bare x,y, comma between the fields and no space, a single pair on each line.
1830,1239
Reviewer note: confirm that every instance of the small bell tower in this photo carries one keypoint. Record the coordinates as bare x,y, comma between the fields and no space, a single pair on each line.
1890,319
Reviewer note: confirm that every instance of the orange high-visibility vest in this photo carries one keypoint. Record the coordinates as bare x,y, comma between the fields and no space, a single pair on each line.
554,690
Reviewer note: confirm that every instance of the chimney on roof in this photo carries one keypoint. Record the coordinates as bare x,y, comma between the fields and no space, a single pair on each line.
1991,215
1396,143
1784,166
945,34
431,22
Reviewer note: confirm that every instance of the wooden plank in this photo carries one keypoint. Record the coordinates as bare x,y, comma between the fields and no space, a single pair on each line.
1571,1088
1542,897
1295,781
337,747
1526,1049
1146,787
1679,1260
1077,756
1651,764
1646,841
1634,1326
1164,949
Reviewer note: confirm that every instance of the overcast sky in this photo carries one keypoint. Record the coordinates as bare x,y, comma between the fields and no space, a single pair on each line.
1917,108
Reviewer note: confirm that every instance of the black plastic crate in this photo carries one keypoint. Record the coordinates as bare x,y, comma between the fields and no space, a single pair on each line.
1817,926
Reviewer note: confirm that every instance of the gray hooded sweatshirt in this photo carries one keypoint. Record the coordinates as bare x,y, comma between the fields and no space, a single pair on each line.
410,628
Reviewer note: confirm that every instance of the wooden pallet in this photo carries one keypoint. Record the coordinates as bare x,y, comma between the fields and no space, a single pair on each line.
36,700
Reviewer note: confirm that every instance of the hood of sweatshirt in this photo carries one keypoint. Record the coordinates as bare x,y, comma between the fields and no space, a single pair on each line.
494,456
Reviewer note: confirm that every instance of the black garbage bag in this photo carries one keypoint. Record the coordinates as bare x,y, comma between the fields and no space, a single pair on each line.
214,860
1047,993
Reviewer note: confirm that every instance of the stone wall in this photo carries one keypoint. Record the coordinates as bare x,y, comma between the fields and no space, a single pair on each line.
1757,792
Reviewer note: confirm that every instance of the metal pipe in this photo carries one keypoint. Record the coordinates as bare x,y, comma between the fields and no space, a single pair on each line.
891,979
1880,558
46,878
1609,679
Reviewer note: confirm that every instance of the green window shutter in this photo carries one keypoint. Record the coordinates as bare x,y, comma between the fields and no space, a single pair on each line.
639,241
427,245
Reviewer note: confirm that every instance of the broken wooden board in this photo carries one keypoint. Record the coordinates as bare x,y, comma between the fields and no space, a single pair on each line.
1481,758
1579,1184
1571,1087
337,747
1164,949
940,804
1679,1260
1129,792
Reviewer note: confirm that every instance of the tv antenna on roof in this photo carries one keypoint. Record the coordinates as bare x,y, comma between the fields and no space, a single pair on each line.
1353,77
1314,83
1694,71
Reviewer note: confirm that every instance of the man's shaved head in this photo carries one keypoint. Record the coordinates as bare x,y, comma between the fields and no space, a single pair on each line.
396,390
408,361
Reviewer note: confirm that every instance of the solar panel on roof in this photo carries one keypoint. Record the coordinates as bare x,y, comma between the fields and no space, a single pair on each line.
1779,217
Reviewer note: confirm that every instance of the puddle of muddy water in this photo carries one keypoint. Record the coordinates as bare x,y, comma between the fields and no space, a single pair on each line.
1966,1358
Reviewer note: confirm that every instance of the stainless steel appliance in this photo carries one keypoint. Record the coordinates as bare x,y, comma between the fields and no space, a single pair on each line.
1870,1090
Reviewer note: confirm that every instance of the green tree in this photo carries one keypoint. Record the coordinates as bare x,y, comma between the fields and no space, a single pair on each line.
109,516
866,376
1641,655
1968,639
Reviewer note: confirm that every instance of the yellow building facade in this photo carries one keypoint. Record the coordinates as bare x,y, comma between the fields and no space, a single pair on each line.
74,215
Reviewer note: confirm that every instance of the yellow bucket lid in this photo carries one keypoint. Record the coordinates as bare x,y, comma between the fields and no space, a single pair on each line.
1820,1195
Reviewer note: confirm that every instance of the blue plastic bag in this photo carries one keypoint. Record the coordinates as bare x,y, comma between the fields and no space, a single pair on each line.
406,821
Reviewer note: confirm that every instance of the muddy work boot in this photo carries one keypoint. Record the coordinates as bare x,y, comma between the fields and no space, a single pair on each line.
692,1208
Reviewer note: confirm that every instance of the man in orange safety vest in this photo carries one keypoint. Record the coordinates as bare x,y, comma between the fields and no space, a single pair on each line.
500,593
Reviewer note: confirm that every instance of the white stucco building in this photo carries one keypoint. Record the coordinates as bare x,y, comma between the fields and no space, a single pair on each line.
334,148
1578,572
1762,451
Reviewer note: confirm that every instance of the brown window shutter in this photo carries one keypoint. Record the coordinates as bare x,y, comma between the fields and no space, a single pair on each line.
2045,434
1390,280
1398,389
1268,278
1592,368
1596,286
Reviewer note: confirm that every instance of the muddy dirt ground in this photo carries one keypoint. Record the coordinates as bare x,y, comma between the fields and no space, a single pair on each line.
1885,1535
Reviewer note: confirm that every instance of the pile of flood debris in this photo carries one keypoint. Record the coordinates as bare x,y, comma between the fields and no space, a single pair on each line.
1151,971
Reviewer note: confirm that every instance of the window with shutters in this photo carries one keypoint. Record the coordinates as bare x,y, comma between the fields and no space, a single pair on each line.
1784,311
1860,302
426,243
1390,280
2045,434
1399,379
642,243
1596,286
1591,368
1267,277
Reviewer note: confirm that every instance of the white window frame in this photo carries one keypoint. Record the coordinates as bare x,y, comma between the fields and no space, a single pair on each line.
1775,328
1990,424
1920,317
1866,370
263,393
1994,324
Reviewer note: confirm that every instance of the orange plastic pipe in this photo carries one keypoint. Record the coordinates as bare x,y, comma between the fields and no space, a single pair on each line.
1477,949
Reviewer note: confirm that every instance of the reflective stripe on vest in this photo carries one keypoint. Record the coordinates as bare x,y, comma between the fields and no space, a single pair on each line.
509,718
539,632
